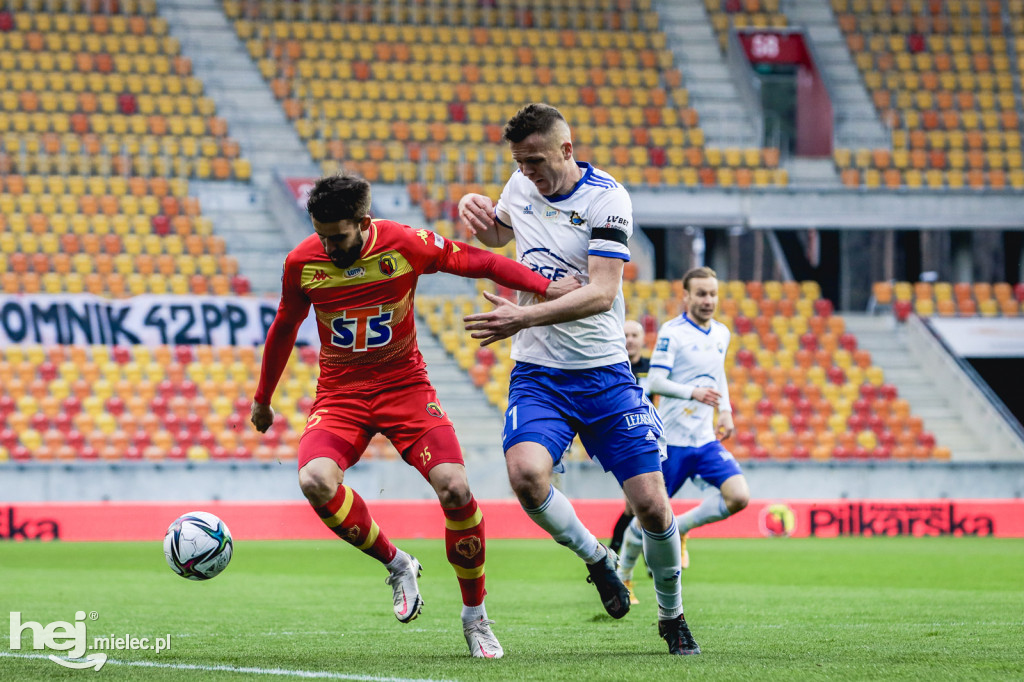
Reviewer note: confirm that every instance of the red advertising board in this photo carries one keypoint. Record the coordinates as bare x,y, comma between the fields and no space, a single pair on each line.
777,47
109,521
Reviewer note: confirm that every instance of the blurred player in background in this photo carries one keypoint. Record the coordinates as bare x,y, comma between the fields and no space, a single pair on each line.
572,373
688,372
360,276
639,365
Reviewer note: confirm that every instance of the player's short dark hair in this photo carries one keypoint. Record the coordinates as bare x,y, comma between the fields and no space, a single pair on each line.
533,118
698,273
345,196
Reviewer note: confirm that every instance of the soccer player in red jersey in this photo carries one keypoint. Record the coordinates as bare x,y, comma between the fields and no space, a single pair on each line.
360,275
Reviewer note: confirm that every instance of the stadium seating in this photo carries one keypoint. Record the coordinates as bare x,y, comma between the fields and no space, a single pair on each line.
101,125
726,14
945,299
419,94
800,386
104,90
110,236
153,403
940,76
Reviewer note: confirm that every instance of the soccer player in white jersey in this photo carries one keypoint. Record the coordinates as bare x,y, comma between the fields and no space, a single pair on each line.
688,372
572,373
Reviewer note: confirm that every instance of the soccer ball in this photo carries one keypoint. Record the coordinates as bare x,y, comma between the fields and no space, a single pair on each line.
198,546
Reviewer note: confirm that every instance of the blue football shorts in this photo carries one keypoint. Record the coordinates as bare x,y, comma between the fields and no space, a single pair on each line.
710,463
617,425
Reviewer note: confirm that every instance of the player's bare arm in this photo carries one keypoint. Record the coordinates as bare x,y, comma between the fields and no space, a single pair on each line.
561,287
507,318
708,396
725,425
476,212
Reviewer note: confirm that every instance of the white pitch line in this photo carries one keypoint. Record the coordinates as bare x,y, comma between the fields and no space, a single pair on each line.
280,672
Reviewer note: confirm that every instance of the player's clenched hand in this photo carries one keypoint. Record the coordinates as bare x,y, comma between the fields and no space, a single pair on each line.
261,416
708,396
476,212
494,325
560,287
725,425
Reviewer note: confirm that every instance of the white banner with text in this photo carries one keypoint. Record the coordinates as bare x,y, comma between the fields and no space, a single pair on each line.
147,320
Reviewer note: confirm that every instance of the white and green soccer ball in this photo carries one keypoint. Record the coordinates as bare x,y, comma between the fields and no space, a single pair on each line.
198,546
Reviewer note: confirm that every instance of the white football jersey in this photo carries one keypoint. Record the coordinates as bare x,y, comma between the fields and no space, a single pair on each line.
554,236
695,357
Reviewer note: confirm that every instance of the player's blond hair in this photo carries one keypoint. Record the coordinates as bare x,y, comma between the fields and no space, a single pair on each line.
702,272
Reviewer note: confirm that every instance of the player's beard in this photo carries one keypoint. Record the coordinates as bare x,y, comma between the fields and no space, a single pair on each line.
345,259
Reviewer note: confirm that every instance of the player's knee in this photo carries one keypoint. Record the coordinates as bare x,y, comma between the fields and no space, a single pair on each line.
454,493
530,487
318,483
654,514
737,502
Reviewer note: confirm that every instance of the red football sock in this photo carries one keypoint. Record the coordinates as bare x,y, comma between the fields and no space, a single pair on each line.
348,516
464,539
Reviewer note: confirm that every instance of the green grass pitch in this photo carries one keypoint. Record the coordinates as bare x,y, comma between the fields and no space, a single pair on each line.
773,609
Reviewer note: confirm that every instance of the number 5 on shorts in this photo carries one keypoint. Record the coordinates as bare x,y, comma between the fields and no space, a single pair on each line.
315,418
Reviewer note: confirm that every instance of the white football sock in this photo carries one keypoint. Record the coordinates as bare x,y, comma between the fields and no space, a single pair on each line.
632,546
400,562
661,552
472,614
711,509
558,518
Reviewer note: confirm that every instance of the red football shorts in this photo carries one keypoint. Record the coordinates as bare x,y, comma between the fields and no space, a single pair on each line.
340,427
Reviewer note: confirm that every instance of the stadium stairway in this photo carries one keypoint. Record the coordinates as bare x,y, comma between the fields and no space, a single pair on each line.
808,172
695,48
856,120
931,395
477,422
239,211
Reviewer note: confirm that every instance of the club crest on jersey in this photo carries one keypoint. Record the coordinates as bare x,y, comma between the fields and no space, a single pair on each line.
355,272
639,419
434,410
388,265
576,219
